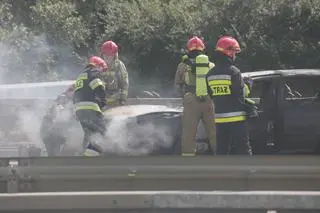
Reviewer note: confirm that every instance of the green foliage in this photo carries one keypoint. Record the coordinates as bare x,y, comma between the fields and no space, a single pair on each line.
60,21
23,57
151,34
5,20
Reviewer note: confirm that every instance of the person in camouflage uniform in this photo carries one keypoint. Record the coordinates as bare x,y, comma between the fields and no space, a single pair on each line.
116,79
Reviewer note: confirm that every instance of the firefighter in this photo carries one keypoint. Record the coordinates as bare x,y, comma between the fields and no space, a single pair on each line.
226,87
88,98
251,108
190,80
247,86
53,128
116,79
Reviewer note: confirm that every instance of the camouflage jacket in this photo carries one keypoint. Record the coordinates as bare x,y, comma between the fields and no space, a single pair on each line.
117,82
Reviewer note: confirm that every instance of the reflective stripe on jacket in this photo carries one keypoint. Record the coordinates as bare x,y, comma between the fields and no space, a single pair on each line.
87,105
220,84
246,90
230,117
95,83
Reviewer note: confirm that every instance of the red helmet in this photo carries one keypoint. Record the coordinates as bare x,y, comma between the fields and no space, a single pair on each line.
109,48
195,43
228,46
98,63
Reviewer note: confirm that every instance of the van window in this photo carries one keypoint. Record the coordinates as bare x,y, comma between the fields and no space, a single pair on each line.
259,87
256,90
301,87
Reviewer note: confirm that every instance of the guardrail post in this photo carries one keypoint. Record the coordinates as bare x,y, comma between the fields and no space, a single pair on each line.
13,177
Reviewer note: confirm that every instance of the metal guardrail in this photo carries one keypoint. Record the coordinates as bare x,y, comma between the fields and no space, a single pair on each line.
129,101
165,201
237,173
144,184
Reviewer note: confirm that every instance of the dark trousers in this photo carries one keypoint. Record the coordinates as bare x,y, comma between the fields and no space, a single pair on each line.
94,127
233,139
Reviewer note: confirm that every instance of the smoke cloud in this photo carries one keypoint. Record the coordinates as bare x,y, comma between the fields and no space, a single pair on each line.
125,135
24,58
27,58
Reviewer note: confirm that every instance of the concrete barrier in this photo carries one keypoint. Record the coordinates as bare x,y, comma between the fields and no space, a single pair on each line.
164,200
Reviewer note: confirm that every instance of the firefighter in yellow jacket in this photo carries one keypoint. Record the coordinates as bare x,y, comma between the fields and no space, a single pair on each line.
190,80
116,79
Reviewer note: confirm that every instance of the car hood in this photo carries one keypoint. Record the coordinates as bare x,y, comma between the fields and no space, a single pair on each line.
137,110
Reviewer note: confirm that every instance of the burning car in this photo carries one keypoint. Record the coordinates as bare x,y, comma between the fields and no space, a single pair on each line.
289,112
288,102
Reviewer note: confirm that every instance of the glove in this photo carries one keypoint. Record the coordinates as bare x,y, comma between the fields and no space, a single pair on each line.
112,98
109,101
103,109
59,107
251,110
253,113
123,97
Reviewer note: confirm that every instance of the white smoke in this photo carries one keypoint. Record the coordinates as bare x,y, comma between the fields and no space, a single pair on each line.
28,124
141,139
29,58
124,135
25,57
135,130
